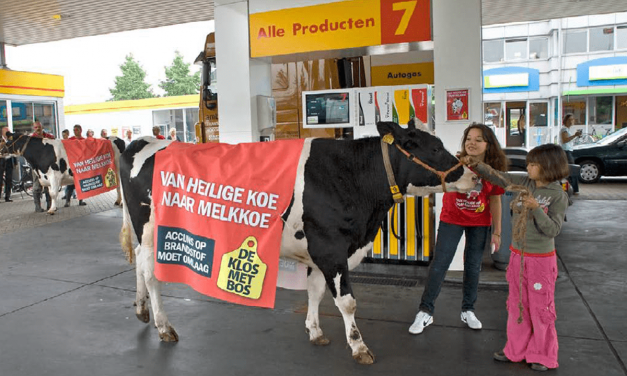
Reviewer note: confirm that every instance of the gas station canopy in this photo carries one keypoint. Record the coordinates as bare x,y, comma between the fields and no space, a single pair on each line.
39,21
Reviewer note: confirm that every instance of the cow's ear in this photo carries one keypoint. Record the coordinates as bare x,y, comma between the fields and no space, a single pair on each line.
387,127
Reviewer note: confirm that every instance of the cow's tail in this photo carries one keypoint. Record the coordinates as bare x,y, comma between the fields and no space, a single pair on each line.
126,233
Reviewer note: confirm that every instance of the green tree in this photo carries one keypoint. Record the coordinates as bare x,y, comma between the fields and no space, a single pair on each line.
178,80
131,84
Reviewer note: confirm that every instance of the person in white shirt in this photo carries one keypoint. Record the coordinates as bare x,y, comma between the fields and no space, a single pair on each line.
566,142
128,137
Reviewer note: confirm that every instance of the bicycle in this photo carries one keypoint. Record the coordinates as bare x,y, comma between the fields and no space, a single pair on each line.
592,137
22,180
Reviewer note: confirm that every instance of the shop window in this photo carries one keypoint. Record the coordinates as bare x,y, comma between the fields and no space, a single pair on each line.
492,116
183,120
602,39
539,48
4,120
621,37
539,132
515,49
22,115
46,114
191,118
492,51
600,114
577,107
575,41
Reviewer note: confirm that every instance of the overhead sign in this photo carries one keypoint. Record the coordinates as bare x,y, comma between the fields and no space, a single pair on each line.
27,83
505,80
339,25
402,74
608,72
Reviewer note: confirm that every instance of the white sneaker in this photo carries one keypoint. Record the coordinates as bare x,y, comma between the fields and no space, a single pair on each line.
469,318
423,319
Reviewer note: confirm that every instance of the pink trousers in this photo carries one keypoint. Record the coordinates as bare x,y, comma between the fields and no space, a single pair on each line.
535,338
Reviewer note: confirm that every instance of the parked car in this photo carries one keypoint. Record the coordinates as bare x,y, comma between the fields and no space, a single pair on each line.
606,157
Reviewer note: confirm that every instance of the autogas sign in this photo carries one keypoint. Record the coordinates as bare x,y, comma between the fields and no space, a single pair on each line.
339,25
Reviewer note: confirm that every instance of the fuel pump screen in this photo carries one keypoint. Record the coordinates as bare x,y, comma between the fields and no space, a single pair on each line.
330,109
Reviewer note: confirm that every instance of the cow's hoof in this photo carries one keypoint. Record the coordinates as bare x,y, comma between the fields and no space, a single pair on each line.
169,335
321,341
50,212
143,316
118,203
365,357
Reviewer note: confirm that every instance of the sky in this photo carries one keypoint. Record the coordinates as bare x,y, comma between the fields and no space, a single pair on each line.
90,64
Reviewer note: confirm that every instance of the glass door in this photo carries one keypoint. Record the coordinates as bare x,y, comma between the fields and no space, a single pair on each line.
538,124
515,123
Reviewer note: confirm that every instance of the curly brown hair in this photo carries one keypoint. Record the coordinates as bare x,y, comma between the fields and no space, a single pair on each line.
494,155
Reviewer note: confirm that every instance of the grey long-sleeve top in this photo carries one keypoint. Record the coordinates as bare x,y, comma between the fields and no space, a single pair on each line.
546,220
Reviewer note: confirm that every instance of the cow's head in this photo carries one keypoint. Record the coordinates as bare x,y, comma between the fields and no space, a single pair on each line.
15,144
419,142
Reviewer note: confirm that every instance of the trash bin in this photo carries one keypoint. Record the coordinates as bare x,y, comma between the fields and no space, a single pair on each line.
501,258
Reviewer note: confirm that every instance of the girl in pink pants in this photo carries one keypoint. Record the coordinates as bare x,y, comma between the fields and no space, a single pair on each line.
531,334
535,338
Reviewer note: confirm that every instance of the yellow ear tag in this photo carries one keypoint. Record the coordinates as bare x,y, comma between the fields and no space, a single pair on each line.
242,271
388,139
110,178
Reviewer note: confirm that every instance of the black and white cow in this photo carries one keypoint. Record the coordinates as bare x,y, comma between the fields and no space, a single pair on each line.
341,197
49,160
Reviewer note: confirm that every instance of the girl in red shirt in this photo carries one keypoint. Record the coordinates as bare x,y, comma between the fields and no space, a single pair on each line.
471,214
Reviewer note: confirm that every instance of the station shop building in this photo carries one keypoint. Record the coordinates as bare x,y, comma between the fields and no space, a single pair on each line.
536,72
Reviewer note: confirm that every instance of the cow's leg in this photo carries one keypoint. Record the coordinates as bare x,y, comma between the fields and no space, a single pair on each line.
118,201
54,192
141,309
315,290
337,279
147,259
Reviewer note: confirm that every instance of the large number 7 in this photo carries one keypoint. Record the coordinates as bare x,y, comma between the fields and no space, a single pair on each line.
408,7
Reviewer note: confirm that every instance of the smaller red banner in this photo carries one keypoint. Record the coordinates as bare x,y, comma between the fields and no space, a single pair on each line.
457,105
93,167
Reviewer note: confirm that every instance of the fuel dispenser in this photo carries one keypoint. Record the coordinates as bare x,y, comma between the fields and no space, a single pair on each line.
408,232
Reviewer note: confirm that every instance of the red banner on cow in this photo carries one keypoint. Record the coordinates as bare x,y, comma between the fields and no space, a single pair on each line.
93,166
218,214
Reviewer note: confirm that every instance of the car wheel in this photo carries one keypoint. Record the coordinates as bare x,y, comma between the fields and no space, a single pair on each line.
590,172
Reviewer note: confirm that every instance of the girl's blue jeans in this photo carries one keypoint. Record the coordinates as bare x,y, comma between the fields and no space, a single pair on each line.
445,247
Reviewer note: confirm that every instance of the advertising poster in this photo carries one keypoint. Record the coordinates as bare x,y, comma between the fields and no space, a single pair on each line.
420,103
92,164
457,104
218,222
384,105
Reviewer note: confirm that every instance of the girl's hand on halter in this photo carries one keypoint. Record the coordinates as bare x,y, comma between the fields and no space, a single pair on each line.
469,161
530,202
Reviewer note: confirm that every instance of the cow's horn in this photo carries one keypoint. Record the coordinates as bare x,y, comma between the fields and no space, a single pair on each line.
411,124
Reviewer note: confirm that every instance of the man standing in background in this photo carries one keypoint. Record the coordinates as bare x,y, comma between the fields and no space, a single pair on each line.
129,137
78,135
6,171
